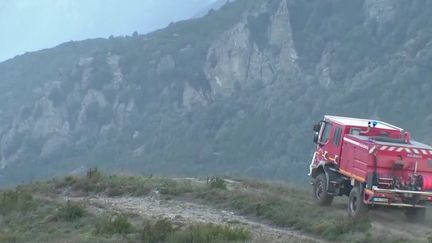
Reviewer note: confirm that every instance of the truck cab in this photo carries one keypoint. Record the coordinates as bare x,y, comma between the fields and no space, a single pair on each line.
371,162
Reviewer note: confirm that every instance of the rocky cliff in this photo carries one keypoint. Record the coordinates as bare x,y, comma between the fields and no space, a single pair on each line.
235,91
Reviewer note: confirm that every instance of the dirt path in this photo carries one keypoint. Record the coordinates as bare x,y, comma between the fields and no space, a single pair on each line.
185,213
393,221
383,221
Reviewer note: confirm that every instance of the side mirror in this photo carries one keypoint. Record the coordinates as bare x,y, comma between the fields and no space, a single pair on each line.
315,138
317,127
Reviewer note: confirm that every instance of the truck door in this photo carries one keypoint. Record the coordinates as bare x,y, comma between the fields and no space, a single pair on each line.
330,142
335,148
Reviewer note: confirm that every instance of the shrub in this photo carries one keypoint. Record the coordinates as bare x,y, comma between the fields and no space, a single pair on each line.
210,233
114,191
87,185
94,174
8,237
70,212
117,224
70,179
332,230
15,200
217,182
157,232
174,188
67,181
164,231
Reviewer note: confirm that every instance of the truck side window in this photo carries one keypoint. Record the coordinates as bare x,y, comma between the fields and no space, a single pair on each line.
337,136
326,133
355,131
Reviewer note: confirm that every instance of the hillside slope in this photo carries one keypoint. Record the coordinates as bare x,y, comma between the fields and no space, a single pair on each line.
100,208
234,92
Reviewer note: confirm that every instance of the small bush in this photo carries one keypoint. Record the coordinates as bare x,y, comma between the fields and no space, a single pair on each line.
114,192
66,182
92,182
87,185
117,224
94,174
8,237
16,200
332,230
157,232
210,233
217,183
70,212
164,231
70,179
174,188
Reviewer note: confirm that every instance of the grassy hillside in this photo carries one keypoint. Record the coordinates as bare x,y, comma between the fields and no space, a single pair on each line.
31,213
35,212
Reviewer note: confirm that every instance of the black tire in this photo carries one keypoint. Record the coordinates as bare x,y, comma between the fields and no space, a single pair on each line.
320,191
416,214
356,207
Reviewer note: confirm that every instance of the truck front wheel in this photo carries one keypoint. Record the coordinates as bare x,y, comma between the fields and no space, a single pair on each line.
320,191
356,206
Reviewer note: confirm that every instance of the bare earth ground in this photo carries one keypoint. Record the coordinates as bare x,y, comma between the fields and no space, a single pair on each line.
394,222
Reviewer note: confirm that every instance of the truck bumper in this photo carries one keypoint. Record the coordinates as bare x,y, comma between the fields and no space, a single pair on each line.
397,198
405,205
376,189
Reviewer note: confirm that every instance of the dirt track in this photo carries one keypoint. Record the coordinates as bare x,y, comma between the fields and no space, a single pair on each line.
394,222
384,221
185,213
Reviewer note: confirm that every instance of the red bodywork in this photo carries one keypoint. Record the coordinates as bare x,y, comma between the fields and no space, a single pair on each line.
394,169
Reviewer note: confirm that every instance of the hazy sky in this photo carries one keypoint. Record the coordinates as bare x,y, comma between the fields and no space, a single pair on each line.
29,25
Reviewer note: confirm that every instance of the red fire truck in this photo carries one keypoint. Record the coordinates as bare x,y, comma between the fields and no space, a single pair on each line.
373,163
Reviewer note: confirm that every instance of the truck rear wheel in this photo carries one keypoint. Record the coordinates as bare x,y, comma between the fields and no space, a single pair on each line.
416,214
320,191
356,206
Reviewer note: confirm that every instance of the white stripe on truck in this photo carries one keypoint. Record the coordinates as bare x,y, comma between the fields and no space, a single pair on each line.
390,148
